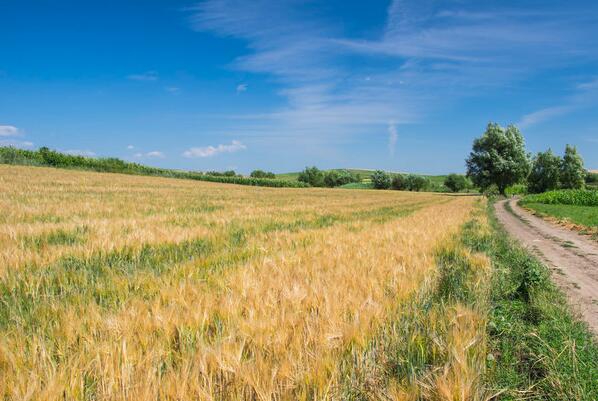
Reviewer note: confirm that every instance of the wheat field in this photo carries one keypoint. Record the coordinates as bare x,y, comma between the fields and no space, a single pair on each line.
116,287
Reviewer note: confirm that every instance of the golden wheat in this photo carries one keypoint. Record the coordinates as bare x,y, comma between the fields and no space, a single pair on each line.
285,282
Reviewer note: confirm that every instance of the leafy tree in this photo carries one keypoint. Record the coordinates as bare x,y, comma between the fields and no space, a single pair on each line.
456,182
417,183
262,174
572,171
498,157
398,182
347,177
332,179
312,176
380,180
545,172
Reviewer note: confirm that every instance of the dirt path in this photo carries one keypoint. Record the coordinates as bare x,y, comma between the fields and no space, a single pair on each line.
572,258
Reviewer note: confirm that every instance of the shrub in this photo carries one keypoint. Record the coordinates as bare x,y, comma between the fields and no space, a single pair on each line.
545,172
572,175
517,189
262,174
312,176
380,180
456,182
417,183
398,182
331,179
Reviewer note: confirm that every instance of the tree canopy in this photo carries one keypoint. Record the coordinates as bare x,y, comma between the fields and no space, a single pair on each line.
498,158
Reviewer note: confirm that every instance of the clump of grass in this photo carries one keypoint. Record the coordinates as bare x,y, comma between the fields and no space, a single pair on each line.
56,237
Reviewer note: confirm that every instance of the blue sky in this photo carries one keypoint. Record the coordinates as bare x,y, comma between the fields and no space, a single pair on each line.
402,85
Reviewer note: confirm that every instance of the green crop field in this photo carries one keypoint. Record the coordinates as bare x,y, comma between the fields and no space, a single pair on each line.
568,206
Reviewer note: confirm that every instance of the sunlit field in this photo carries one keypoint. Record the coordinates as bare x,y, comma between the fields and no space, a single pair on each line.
116,287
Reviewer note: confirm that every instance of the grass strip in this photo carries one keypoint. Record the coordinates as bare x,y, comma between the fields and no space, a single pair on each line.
538,348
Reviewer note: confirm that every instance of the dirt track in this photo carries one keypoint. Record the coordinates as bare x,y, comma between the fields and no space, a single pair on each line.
572,258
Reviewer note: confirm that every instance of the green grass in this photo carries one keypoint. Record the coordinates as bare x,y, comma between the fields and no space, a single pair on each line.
358,185
538,349
583,215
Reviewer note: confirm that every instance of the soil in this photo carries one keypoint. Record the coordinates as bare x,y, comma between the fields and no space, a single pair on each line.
572,258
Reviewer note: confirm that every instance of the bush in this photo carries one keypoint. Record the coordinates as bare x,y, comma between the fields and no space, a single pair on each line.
491,191
577,197
572,174
517,189
398,182
262,174
312,176
456,182
380,180
415,182
545,172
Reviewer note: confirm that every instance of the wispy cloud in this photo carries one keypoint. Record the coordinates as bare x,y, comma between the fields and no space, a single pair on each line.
539,116
584,96
209,151
146,76
393,136
155,154
9,130
172,89
429,55
241,88
130,147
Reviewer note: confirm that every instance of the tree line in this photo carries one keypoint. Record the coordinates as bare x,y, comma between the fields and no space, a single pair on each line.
51,158
499,159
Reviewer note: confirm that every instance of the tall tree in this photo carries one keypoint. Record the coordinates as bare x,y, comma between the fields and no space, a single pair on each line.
572,170
545,172
498,158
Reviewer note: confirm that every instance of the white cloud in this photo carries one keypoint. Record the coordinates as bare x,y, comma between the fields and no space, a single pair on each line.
209,151
586,95
9,130
172,89
15,143
393,136
241,88
146,76
153,154
542,115
78,152
590,85
130,147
